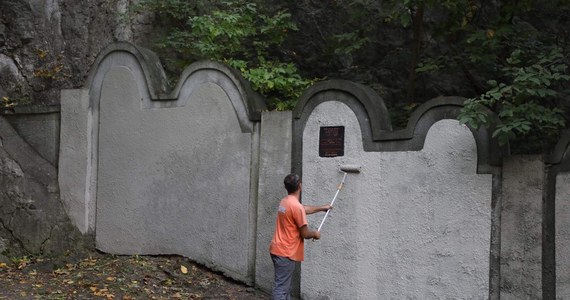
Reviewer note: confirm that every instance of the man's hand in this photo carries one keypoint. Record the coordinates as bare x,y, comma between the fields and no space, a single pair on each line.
309,234
317,235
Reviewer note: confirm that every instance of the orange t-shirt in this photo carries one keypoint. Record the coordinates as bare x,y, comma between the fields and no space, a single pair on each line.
287,240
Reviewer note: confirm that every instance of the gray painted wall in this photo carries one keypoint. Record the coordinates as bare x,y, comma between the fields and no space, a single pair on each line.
275,163
173,180
413,225
74,157
159,172
562,236
521,228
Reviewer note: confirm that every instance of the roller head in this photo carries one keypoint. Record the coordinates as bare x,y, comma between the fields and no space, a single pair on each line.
350,168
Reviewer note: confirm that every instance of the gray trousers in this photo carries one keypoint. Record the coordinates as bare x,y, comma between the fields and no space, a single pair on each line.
284,268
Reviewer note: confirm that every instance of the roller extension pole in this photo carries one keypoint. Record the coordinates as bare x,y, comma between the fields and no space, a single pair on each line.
334,198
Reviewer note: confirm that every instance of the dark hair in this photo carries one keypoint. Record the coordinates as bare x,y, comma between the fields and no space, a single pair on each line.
292,183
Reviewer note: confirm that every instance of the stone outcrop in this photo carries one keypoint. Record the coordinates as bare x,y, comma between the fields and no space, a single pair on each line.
48,45
32,219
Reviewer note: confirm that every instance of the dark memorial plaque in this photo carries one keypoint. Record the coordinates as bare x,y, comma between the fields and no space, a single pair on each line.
331,141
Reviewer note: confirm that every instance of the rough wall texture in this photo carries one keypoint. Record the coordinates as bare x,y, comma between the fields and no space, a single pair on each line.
410,225
163,173
74,162
521,228
173,180
274,164
562,218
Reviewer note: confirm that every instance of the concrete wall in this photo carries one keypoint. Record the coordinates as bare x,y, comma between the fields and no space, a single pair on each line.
412,225
75,160
164,172
173,180
275,163
556,222
562,218
521,228
197,169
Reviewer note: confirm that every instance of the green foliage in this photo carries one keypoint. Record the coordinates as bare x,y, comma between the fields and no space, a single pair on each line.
348,43
523,102
471,39
239,34
279,81
429,65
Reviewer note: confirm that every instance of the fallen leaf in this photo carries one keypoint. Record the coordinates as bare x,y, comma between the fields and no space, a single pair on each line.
60,272
183,269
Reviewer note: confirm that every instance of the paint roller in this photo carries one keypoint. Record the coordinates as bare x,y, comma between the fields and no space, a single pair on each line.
344,169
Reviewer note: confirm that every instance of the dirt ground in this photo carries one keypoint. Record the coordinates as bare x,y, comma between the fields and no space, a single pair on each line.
101,276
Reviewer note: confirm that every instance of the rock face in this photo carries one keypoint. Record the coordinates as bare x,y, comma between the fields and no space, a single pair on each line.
32,219
45,46
48,45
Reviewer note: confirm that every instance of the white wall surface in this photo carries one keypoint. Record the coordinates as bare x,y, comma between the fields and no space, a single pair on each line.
411,225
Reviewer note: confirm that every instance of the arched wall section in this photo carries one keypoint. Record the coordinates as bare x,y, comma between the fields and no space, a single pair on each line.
375,124
167,171
401,226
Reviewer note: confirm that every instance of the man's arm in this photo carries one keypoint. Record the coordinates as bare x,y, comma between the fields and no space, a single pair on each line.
309,234
313,209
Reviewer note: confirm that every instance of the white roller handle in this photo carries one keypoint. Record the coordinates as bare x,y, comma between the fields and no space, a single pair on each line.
332,202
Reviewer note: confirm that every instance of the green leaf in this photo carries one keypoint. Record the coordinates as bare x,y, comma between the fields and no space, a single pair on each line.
405,19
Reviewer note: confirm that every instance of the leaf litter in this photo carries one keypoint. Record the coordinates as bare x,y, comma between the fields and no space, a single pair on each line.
110,277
